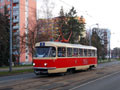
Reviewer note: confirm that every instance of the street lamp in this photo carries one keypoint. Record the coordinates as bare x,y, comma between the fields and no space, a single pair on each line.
90,32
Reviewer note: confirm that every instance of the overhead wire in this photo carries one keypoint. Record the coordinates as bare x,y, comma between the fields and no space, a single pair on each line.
84,12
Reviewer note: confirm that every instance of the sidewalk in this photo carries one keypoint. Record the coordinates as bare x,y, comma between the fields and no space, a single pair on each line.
16,68
113,62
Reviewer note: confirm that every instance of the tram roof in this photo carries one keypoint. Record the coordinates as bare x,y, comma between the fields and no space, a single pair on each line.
60,44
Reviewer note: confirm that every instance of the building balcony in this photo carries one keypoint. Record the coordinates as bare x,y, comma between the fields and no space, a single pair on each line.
16,33
15,20
15,1
15,27
15,14
15,7
16,46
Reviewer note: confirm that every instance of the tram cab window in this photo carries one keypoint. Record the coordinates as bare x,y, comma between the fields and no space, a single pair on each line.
75,52
80,52
61,52
85,52
45,52
69,52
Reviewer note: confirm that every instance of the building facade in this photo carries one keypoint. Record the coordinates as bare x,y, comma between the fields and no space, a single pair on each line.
23,13
51,26
115,53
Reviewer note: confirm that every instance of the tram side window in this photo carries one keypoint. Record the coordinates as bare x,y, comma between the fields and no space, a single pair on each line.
69,52
93,52
85,52
75,52
89,52
61,52
80,52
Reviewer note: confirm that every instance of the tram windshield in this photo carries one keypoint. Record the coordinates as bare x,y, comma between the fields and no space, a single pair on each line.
45,52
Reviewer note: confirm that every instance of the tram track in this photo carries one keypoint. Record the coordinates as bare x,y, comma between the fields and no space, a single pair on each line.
38,81
56,82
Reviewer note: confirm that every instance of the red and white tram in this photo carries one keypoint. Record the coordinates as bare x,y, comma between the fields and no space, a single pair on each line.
56,57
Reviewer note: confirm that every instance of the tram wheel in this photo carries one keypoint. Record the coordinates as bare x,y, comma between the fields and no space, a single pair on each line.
71,70
91,67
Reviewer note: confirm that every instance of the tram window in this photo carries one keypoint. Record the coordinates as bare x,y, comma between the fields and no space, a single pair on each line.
80,52
69,52
75,52
61,52
85,52
89,52
52,52
93,52
45,52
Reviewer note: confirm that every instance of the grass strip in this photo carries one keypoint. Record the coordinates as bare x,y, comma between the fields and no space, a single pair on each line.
5,67
104,61
16,72
118,59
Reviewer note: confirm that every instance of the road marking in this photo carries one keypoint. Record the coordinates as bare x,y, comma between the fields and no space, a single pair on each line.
94,80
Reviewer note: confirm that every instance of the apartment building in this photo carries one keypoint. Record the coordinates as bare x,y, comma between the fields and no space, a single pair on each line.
51,27
23,13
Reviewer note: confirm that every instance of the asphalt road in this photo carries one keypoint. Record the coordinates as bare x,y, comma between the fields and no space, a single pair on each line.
8,79
32,75
105,77
108,82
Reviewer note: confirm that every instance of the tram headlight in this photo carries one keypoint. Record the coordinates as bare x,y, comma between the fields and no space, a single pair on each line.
45,64
33,64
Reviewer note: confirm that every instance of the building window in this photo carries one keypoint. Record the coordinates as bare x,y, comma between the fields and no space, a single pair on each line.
1,1
8,6
26,57
26,51
1,7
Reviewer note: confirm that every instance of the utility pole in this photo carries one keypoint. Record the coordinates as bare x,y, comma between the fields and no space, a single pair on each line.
109,47
10,60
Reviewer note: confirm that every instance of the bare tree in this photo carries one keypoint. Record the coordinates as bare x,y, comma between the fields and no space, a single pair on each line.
46,10
98,42
37,31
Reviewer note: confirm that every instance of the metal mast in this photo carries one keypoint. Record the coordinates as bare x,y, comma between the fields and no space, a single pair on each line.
10,60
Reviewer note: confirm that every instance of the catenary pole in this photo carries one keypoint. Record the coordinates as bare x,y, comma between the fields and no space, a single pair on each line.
10,60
